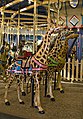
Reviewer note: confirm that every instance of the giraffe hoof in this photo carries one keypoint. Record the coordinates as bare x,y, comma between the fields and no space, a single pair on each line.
42,112
23,94
58,88
61,91
34,92
7,103
48,96
36,107
52,99
22,102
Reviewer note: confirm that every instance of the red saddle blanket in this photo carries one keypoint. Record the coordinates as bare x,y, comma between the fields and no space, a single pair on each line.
26,54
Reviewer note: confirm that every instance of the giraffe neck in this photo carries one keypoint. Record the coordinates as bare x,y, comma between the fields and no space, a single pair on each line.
56,45
42,54
64,49
59,49
60,56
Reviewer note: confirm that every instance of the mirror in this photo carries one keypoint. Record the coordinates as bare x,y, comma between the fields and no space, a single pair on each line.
74,3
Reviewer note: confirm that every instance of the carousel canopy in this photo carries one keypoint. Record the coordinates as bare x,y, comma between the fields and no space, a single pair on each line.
11,10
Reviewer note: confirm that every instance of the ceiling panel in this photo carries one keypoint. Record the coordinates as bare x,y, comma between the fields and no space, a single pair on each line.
11,8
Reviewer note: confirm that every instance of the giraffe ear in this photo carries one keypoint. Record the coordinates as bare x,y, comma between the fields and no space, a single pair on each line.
69,32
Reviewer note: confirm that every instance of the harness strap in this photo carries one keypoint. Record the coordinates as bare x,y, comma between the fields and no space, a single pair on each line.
38,63
38,69
54,63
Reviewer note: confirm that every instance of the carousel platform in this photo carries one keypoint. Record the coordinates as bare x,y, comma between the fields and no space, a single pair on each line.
66,106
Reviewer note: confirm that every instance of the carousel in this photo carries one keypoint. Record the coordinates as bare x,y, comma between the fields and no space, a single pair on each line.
41,47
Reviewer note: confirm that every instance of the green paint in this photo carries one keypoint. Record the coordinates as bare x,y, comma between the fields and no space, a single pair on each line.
54,63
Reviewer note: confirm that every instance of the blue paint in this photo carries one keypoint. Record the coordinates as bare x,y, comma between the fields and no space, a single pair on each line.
18,68
79,45
71,43
82,19
82,14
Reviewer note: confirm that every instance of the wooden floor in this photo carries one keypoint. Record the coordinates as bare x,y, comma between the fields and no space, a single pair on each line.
66,106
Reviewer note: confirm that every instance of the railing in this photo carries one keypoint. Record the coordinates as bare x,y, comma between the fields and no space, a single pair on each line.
73,70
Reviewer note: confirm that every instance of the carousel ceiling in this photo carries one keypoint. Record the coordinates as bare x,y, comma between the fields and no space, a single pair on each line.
11,10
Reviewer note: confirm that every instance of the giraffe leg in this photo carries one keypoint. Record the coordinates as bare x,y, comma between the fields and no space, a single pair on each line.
59,85
6,90
35,98
18,91
22,86
28,84
49,89
37,102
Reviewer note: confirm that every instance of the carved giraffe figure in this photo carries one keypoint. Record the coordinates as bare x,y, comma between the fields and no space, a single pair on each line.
58,58
37,64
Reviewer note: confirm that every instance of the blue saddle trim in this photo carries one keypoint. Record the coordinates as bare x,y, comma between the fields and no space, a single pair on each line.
19,62
17,68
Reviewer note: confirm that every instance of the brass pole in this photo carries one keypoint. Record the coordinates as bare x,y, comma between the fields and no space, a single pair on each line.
10,32
48,19
7,30
66,14
58,18
2,26
18,29
58,15
34,28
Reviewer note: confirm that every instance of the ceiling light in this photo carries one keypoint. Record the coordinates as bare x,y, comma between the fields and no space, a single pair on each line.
29,1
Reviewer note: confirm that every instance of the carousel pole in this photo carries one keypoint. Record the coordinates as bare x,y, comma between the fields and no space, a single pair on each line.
34,27
2,27
18,29
58,14
7,30
10,41
48,27
48,19
82,13
57,23
34,50
66,14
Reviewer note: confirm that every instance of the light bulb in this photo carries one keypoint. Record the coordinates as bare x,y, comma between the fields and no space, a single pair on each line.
29,1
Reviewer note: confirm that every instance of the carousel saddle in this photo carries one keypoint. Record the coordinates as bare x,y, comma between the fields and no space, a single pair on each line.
23,63
20,68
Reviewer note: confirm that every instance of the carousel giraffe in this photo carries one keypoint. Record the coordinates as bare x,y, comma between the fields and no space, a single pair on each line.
37,64
57,57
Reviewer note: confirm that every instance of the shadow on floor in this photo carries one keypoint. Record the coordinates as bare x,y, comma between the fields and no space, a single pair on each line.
8,116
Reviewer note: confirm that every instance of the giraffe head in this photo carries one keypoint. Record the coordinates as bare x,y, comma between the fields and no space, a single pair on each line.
72,35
